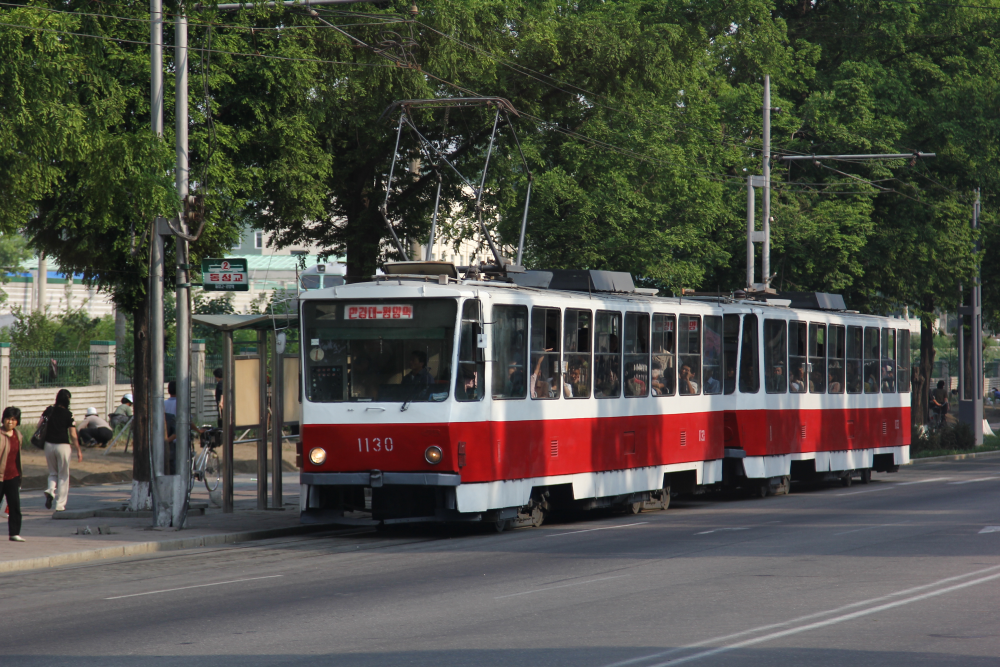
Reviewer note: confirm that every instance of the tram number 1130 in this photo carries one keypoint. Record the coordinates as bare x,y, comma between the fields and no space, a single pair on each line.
374,444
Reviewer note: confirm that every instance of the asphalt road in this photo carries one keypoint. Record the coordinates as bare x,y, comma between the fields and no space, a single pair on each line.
904,571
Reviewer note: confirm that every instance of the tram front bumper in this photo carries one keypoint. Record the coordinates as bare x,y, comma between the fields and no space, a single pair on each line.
377,478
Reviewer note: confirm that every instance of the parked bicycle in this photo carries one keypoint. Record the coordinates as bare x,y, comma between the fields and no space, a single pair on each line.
206,467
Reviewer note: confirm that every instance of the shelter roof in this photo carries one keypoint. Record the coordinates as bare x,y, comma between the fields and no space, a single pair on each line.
232,322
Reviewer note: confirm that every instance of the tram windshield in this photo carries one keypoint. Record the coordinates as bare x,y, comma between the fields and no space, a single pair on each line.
393,350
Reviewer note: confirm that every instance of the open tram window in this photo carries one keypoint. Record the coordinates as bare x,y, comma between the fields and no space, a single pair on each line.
903,360
775,361
712,355
817,358
730,350
797,356
636,354
855,344
578,326
510,351
888,361
471,361
663,374
749,360
836,353
607,354
545,340
396,350
871,350
689,349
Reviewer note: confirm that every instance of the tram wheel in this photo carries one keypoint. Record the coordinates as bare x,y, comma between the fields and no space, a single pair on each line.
764,490
501,525
847,480
537,517
634,508
866,475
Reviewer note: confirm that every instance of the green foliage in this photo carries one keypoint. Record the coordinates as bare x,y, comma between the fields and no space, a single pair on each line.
13,251
35,331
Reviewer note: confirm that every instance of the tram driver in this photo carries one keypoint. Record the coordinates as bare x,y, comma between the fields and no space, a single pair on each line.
418,376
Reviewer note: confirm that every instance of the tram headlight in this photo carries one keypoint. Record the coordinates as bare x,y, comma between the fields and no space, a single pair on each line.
433,454
317,455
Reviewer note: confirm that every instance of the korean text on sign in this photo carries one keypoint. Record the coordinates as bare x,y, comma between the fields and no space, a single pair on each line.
226,277
380,312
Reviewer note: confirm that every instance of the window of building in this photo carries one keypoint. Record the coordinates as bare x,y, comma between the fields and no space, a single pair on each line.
510,349
775,361
836,354
664,373
689,349
545,375
797,354
749,358
258,240
636,354
607,354
578,328
817,358
855,344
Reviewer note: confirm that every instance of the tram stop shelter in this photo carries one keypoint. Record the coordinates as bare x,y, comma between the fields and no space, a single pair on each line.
245,395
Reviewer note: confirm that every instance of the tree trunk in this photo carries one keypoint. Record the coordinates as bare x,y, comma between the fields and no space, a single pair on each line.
363,235
141,474
921,390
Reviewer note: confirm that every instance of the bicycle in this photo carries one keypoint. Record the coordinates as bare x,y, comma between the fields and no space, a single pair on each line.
206,467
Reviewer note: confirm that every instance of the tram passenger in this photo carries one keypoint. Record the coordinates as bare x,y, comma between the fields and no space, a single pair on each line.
541,387
834,385
711,383
574,385
798,382
656,380
418,376
853,377
730,382
775,379
515,380
687,384
468,384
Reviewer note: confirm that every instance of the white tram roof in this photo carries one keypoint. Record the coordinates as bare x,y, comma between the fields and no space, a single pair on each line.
443,286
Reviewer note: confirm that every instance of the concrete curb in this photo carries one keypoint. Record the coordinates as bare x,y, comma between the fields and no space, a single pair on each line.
140,548
955,457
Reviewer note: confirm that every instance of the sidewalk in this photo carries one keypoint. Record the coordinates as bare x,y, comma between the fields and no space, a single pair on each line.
56,542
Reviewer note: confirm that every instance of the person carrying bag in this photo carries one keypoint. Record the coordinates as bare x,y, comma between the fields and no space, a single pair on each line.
60,430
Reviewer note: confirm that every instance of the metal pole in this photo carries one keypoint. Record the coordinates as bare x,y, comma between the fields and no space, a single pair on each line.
156,66
182,465
864,156
262,421
227,422
765,259
750,231
524,222
434,222
277,420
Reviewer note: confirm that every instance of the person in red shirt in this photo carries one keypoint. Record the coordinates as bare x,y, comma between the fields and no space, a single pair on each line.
10,470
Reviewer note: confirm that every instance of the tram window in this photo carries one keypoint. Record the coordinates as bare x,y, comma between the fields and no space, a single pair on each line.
797,352
578,325
730,349
775,361
837,359
510,348
855,344
749,366
689,349
607,354
817,358
395,350
712,362
636,354
664,372
471,361
888,361
545,375
871,375
903,360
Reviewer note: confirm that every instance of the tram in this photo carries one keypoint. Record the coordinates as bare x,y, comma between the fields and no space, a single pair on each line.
433,397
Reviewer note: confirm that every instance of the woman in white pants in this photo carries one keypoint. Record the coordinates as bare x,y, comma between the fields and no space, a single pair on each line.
59,433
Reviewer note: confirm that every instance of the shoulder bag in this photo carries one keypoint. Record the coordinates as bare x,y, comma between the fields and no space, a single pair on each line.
38,437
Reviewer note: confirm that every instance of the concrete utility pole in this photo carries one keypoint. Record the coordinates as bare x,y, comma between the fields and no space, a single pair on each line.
182,465
969,334
43,280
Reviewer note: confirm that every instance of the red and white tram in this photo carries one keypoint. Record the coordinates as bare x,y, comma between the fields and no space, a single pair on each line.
428,397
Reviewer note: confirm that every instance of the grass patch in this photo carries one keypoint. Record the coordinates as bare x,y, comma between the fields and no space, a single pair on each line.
921,449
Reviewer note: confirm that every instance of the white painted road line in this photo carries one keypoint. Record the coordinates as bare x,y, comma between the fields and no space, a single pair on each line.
718,530
184,588
590,530
887,488
973,481
819,614
924,481
552,588
990,529
879,525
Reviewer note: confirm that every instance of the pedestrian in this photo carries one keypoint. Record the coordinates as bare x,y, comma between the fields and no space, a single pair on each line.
59,433
94,430
218,393
10,470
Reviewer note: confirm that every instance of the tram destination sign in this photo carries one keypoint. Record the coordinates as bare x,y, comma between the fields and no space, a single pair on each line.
384,312
225,275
